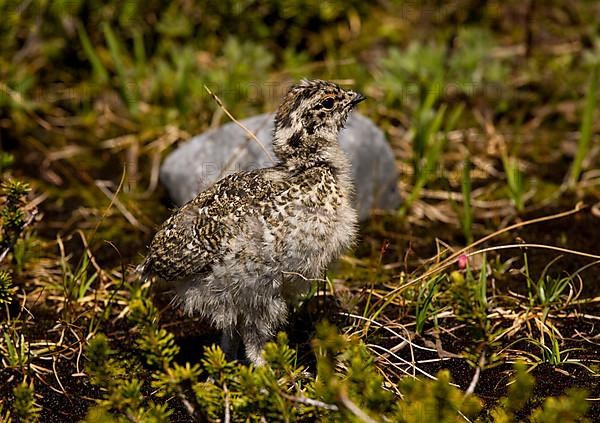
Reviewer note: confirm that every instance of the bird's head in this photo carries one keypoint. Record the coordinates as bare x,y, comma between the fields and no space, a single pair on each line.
310,117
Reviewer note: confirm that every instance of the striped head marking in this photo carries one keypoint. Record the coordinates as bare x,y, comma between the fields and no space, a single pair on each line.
311,115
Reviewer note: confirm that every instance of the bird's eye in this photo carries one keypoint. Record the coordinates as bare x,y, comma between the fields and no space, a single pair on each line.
327,103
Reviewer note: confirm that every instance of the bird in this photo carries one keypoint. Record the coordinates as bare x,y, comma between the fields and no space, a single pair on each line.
242,251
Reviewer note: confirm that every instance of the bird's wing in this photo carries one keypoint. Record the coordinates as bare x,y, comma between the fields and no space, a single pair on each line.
192,238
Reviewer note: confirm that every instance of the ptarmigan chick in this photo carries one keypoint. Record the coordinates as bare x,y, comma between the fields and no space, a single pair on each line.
243,248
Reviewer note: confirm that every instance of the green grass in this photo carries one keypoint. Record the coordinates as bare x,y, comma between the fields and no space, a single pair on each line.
466,219
589,111
423,303
88,91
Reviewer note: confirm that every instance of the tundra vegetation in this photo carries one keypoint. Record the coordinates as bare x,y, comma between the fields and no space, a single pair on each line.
476,300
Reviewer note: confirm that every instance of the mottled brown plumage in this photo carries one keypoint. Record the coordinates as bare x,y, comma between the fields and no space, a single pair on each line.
242,248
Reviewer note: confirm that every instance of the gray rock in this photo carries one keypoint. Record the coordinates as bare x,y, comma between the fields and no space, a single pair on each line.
210,156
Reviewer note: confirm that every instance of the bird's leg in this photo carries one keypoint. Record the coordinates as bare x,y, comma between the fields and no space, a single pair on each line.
230,342
254,342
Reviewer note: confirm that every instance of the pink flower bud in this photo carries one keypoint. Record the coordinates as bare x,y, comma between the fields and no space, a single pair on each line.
463,260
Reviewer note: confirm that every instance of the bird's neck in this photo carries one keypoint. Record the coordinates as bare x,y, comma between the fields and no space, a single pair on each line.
296,152
314,152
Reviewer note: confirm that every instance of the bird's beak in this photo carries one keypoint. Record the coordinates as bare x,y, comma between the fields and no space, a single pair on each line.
358,97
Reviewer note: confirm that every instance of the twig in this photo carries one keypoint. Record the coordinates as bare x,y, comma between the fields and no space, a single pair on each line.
188,405
239,150
310,401
154,173
89,253
355,409
473,384
112,198
227,418
412,365
64,392
387,328
543,246
4,253
119,205
237,122
450,260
